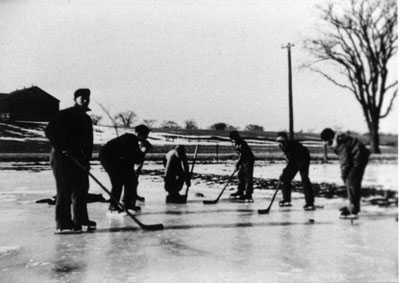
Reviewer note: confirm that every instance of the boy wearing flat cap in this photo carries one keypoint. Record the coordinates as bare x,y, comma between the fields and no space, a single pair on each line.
119,157
245,166
71,135
353,159
298,160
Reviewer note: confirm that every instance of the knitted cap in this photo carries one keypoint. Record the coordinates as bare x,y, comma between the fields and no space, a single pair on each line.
327,134
281,136
82,92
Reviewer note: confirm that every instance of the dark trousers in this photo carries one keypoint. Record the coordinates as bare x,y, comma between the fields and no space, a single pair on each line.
72,187
353,185
245,176
288,175
173,184
121,176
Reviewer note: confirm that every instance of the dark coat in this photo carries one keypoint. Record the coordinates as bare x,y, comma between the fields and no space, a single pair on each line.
295,151
72,130
244,151
351,152
123,150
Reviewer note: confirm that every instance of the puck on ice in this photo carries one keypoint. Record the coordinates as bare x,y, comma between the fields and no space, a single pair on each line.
311,220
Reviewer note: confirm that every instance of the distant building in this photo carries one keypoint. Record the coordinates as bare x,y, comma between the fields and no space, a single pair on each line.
28,104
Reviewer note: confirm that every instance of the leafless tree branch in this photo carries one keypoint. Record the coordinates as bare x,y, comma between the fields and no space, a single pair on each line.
360,38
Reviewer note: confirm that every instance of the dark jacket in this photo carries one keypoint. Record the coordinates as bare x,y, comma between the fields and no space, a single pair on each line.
72,130
351,152
244,151
124,150
295,151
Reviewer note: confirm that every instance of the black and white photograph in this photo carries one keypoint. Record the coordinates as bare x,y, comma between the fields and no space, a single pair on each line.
199,141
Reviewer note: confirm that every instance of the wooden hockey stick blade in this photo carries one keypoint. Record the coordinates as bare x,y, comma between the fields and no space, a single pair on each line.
216,200
266,211
263,211
220,194
151,227
210,201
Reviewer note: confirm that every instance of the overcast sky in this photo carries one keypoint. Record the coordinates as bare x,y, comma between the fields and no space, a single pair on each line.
207,60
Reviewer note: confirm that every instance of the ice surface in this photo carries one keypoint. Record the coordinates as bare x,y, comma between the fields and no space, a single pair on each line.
225,242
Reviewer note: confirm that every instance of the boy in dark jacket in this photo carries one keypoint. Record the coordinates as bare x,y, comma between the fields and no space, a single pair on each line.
118,157
245,165
176,174
298,160
353,158
71,135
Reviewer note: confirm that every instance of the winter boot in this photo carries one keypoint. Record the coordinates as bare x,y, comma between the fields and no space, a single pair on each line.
114,209
246,198
346,214
309,207
140,198
350,216
91,225
132,206
73,229
284,203
236,195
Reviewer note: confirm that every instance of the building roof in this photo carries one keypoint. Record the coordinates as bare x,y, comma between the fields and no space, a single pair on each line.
33,89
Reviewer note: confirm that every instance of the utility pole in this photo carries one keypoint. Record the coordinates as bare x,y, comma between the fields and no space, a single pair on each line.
288,47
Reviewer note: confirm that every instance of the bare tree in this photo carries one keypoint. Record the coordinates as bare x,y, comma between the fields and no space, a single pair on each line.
219,126
255,128
149,122
126,118
360,39
170,125
190,124
96,119
114,123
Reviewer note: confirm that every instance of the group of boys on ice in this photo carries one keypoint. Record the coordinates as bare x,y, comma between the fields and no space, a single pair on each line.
71,135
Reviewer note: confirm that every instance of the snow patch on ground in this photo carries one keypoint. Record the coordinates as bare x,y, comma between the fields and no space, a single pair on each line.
103,134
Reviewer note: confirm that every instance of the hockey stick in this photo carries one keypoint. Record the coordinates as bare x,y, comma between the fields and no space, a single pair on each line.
191,170
220,194
266,211
117,202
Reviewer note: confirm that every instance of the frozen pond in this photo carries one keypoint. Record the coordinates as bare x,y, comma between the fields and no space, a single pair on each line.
379,175
225,242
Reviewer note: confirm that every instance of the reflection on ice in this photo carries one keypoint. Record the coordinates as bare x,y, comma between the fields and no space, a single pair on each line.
9,250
